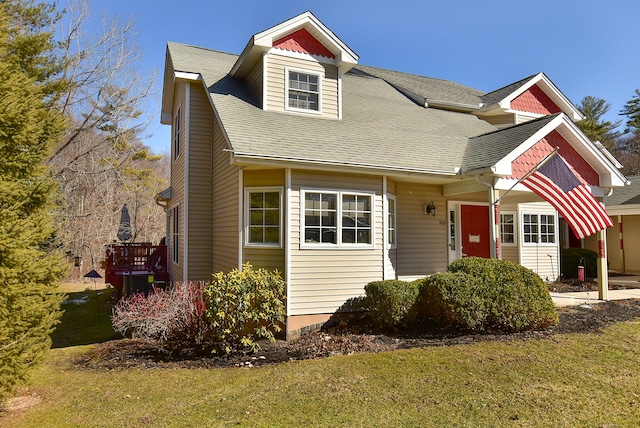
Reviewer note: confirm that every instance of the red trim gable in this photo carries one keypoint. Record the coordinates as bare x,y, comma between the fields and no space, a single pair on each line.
534,100
303,42
529,159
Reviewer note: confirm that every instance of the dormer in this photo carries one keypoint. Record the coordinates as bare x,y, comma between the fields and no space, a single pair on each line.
296,67
528,99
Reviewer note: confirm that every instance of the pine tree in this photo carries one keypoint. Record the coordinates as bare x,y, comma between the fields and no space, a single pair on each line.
632,110
593,125
29,271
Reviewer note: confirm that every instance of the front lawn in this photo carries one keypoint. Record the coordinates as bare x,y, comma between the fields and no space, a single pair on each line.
567,380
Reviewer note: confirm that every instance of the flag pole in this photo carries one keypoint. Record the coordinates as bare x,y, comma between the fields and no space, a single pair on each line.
529,173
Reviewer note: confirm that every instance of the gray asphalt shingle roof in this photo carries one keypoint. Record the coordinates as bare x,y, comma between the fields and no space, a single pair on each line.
483,150
381,128
627,195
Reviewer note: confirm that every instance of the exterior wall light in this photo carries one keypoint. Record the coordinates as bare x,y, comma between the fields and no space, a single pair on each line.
430,208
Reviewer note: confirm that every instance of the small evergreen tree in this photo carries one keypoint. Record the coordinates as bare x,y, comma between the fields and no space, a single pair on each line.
29,270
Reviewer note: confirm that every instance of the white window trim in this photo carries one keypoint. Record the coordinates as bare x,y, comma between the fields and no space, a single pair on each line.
286,90
175,234
538,214
339,244
395,222
177,140
515,229
249,190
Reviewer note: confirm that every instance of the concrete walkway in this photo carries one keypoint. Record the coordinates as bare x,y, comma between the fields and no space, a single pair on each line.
591,297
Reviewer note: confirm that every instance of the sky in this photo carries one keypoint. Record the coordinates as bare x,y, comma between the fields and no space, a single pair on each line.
586,47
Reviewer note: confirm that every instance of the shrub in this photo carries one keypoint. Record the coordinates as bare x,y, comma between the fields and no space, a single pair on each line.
570,258
244,306
174,317
489,294
390,302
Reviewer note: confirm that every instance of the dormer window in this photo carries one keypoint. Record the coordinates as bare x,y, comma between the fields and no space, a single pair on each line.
303,90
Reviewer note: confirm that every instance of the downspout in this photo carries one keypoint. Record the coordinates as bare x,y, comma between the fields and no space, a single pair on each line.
493,219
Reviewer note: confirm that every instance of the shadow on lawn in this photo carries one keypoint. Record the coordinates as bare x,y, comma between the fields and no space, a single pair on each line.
86,319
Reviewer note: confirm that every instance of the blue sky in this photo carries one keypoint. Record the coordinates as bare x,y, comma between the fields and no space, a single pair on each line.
586,47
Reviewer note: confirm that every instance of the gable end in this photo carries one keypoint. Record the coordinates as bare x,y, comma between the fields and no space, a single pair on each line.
535,100
302,41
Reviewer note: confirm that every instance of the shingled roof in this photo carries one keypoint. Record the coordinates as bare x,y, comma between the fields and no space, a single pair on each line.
381,128
628,195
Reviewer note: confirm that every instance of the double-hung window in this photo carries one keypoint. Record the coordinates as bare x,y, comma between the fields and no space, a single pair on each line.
334,218
539,228
175,234
303,91
263,221
391,221
507,228
176,134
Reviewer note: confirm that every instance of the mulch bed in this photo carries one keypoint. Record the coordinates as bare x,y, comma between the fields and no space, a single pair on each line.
344,339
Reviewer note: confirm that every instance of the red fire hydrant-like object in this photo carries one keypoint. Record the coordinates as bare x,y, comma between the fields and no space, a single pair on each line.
581,269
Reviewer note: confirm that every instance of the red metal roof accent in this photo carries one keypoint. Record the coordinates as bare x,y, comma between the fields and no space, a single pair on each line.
302,41
529,159
534,100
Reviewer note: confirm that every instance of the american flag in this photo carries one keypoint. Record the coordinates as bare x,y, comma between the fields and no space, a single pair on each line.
555,183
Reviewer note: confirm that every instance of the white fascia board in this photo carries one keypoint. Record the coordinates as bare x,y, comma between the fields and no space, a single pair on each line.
609,175
344,55
185,75
552,92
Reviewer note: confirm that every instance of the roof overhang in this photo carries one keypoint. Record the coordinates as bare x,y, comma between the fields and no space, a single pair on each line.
262,42
547,86
599,160
171,76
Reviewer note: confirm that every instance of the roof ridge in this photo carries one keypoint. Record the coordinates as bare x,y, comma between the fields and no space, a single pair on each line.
512,84
201,48
418,75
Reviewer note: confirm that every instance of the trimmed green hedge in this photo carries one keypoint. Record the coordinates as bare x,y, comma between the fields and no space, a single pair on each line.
390,303
488,294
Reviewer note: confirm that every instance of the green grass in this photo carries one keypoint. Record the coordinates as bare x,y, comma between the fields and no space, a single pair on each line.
566,381
86,323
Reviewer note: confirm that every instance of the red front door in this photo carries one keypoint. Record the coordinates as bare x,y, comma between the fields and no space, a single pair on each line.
474,227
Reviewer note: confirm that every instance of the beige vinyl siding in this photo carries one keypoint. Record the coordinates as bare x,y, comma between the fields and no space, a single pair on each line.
540,258
524,117
177,184
200,185
224,208
323,279
631,231
265,257
276,83
254,81
422,239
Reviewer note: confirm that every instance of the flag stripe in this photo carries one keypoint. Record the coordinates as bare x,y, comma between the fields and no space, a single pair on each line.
584,214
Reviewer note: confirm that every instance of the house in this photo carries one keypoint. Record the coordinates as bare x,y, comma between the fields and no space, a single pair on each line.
293,156
623,245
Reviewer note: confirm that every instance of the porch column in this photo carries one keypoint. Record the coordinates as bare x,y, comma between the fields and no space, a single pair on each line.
494,223
603,272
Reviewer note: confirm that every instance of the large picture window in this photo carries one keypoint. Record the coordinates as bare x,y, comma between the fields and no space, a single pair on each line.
539,228
303,91
337,218
263,216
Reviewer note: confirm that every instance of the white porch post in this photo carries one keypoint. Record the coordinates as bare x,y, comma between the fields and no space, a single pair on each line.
494,220
603,272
